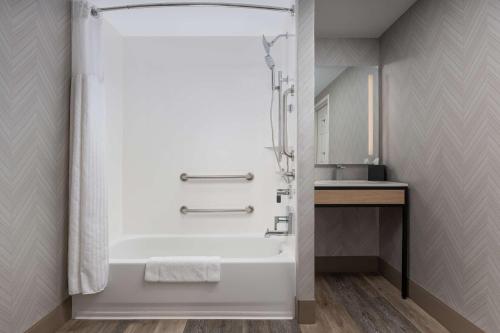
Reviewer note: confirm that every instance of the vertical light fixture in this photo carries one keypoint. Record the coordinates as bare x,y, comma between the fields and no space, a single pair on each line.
370,115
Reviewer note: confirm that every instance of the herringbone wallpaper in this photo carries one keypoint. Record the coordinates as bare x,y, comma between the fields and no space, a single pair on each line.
347,52
346,232
441,120
34,109
305,150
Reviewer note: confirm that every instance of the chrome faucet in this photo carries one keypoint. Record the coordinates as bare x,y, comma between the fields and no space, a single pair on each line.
339,173
280,219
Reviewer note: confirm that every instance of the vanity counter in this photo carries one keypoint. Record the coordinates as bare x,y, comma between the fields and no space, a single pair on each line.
359,192
356,184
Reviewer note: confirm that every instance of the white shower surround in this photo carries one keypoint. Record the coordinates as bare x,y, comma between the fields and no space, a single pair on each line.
257,280
197,105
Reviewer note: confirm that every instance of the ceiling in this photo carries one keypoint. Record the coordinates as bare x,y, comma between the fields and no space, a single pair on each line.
357,18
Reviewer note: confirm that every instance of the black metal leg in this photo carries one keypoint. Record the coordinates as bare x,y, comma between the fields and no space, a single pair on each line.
404,261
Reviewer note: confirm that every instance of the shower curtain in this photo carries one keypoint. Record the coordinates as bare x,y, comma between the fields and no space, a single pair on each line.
88,239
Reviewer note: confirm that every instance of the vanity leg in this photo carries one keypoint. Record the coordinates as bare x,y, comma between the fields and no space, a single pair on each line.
404,261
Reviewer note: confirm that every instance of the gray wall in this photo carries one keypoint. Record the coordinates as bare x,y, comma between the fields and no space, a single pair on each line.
441,109
34,103
347,52
305,150
346,231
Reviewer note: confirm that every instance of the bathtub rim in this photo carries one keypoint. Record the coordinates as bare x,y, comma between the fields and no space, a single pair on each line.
286,256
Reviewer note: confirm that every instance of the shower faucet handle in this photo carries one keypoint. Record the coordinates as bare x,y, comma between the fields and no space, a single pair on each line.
280,192
287,79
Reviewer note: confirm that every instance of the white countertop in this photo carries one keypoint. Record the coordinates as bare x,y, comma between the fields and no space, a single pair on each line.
357,183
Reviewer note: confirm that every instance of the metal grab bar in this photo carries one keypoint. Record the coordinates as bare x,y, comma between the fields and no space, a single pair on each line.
290,91
248,210
185,177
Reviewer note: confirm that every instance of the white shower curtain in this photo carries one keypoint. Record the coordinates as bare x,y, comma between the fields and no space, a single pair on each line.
88,239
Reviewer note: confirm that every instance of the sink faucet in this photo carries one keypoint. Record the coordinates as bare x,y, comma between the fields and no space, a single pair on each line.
339,174
280,219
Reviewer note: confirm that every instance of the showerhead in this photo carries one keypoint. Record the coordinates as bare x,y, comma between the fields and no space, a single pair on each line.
267,47
266,44
269,61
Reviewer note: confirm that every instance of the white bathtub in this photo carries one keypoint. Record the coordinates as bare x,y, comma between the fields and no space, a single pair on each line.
257,280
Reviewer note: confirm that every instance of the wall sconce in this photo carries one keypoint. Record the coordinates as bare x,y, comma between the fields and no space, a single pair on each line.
370,114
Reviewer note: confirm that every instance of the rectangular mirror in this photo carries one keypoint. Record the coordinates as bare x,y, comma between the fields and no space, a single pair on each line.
346,114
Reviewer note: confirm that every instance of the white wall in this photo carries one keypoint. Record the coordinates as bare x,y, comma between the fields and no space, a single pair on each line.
198,105
112,43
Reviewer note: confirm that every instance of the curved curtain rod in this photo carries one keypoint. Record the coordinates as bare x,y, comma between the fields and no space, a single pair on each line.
96,10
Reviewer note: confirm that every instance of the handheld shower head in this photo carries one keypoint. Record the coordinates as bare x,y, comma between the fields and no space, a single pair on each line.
269,62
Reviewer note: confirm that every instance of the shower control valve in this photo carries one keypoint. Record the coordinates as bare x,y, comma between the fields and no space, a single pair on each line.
281,192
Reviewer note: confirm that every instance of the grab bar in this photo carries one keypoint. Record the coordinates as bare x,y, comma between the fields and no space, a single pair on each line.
248,210
185,177
290,91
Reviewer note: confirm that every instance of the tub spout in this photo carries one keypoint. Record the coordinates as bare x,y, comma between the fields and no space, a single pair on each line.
280,219
270,233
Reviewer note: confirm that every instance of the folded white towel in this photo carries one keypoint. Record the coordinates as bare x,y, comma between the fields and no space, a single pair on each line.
182,269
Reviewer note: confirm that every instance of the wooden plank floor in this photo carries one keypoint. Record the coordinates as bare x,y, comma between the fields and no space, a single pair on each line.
345,303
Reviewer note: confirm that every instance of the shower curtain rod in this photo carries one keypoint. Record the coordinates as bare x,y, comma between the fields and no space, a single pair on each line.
96,10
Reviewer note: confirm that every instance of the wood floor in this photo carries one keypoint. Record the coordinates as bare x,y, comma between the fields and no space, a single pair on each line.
345,303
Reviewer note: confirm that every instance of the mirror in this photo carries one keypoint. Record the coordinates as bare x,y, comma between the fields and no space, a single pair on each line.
346,114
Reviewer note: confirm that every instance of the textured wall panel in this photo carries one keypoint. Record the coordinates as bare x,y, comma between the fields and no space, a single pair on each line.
34,104
305,150
441,109
336,237
347,52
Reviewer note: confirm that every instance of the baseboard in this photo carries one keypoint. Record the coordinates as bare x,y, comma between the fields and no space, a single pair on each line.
359,264
54,320
389,272
448,317
306,312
